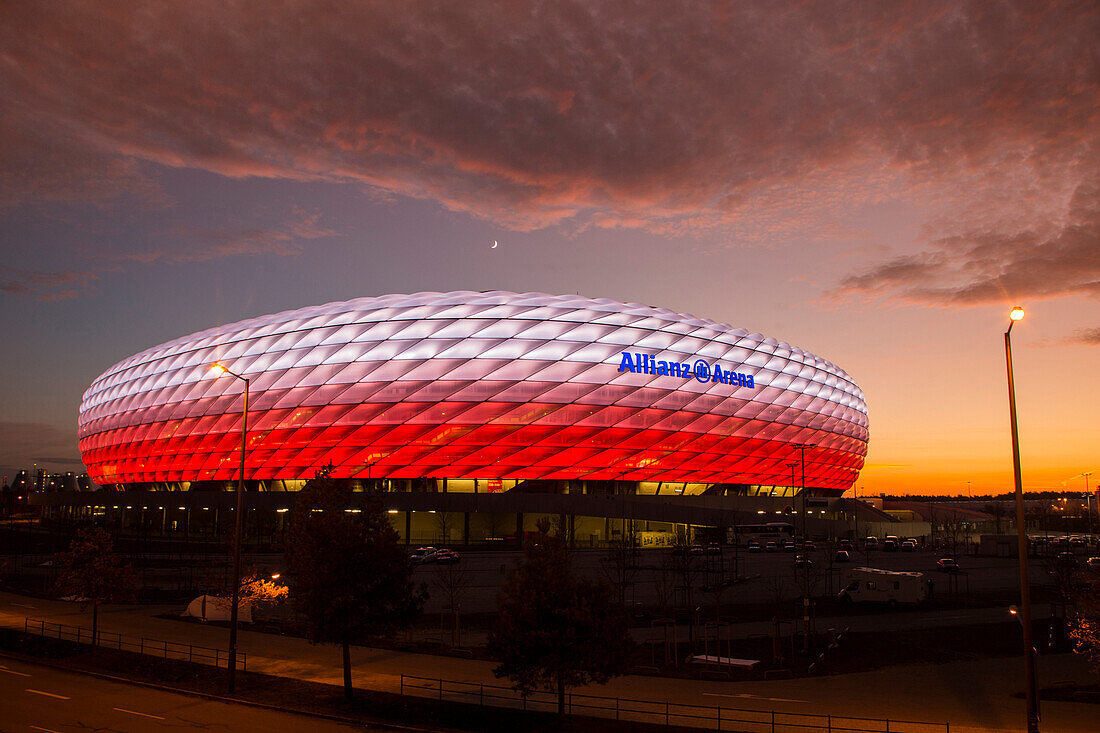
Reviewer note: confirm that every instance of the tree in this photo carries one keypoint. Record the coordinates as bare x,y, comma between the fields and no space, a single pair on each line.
349,577
257,591
1085,623
554,631
93,574
452,581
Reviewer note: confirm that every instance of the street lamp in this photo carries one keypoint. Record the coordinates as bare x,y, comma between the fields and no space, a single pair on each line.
1088,506
802,448
216,367
1021,537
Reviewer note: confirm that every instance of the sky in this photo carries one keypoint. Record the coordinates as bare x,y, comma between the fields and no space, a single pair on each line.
876,183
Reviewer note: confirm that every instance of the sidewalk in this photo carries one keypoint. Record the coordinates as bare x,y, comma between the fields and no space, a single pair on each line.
972,696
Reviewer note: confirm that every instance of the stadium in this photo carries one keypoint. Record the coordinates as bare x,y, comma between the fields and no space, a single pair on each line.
491,409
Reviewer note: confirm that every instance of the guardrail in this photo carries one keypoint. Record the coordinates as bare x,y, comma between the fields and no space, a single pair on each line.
718,717
140,644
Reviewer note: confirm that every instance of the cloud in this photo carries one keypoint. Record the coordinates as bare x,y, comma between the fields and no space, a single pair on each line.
1086,336
45,286
976,266
194,245
765,121
22,444
283,240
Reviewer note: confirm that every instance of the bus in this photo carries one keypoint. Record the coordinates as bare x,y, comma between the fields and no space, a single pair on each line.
777,532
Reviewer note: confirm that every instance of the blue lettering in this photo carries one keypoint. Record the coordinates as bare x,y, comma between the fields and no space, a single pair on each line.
700,370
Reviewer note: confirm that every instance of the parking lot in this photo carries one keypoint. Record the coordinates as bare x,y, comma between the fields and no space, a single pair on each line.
735,577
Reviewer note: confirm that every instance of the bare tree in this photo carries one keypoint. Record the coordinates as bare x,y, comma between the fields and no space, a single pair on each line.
452,581
443,527
777,592
93,574
953,528
620,567
685,569
663,582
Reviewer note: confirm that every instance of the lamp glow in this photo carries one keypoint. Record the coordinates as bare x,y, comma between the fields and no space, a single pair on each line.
1017,313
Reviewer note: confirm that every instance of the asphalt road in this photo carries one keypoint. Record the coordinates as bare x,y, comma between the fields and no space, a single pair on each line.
45,699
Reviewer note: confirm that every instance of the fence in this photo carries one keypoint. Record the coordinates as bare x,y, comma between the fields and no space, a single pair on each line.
667,713
155,647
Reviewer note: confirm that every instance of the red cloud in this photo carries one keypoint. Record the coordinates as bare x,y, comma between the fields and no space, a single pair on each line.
45,286
976,266
766,119
283,240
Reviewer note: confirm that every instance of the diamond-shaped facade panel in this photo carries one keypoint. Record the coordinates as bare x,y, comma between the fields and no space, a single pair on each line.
465,385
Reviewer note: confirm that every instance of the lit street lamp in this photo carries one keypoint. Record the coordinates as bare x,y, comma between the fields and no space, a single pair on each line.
237,534
1088,506
1021,537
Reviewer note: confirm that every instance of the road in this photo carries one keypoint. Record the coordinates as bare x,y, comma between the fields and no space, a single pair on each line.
48,700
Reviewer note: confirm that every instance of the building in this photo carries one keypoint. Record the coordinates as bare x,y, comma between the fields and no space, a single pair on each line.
487,404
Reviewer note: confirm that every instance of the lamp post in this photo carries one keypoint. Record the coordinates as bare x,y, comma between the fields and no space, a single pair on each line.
236,534
802,448
1088,506
1021,537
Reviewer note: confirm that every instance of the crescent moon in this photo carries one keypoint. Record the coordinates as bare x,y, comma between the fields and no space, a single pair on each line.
494,244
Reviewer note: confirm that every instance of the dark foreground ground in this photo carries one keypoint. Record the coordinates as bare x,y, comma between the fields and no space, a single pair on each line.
378,710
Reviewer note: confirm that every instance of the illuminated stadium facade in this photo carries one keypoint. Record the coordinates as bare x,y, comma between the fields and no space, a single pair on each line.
484,402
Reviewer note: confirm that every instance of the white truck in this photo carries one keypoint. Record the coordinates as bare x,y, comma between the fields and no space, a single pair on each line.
871,585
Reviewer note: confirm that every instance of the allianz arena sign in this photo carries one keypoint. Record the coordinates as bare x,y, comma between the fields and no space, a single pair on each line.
700,370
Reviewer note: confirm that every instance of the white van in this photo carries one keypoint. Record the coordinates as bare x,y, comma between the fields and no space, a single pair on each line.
870,585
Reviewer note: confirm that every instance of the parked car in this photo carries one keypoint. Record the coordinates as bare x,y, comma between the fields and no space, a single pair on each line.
755,546
809,546
842,556
889,545
1066,560
947,565
423,555
844,544
447,557
871,543
771,546
697,550
1093,563
788,546
801,561
909,546
714,549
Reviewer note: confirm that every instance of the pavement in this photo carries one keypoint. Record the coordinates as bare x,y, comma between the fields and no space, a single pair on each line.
52,700
973,696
